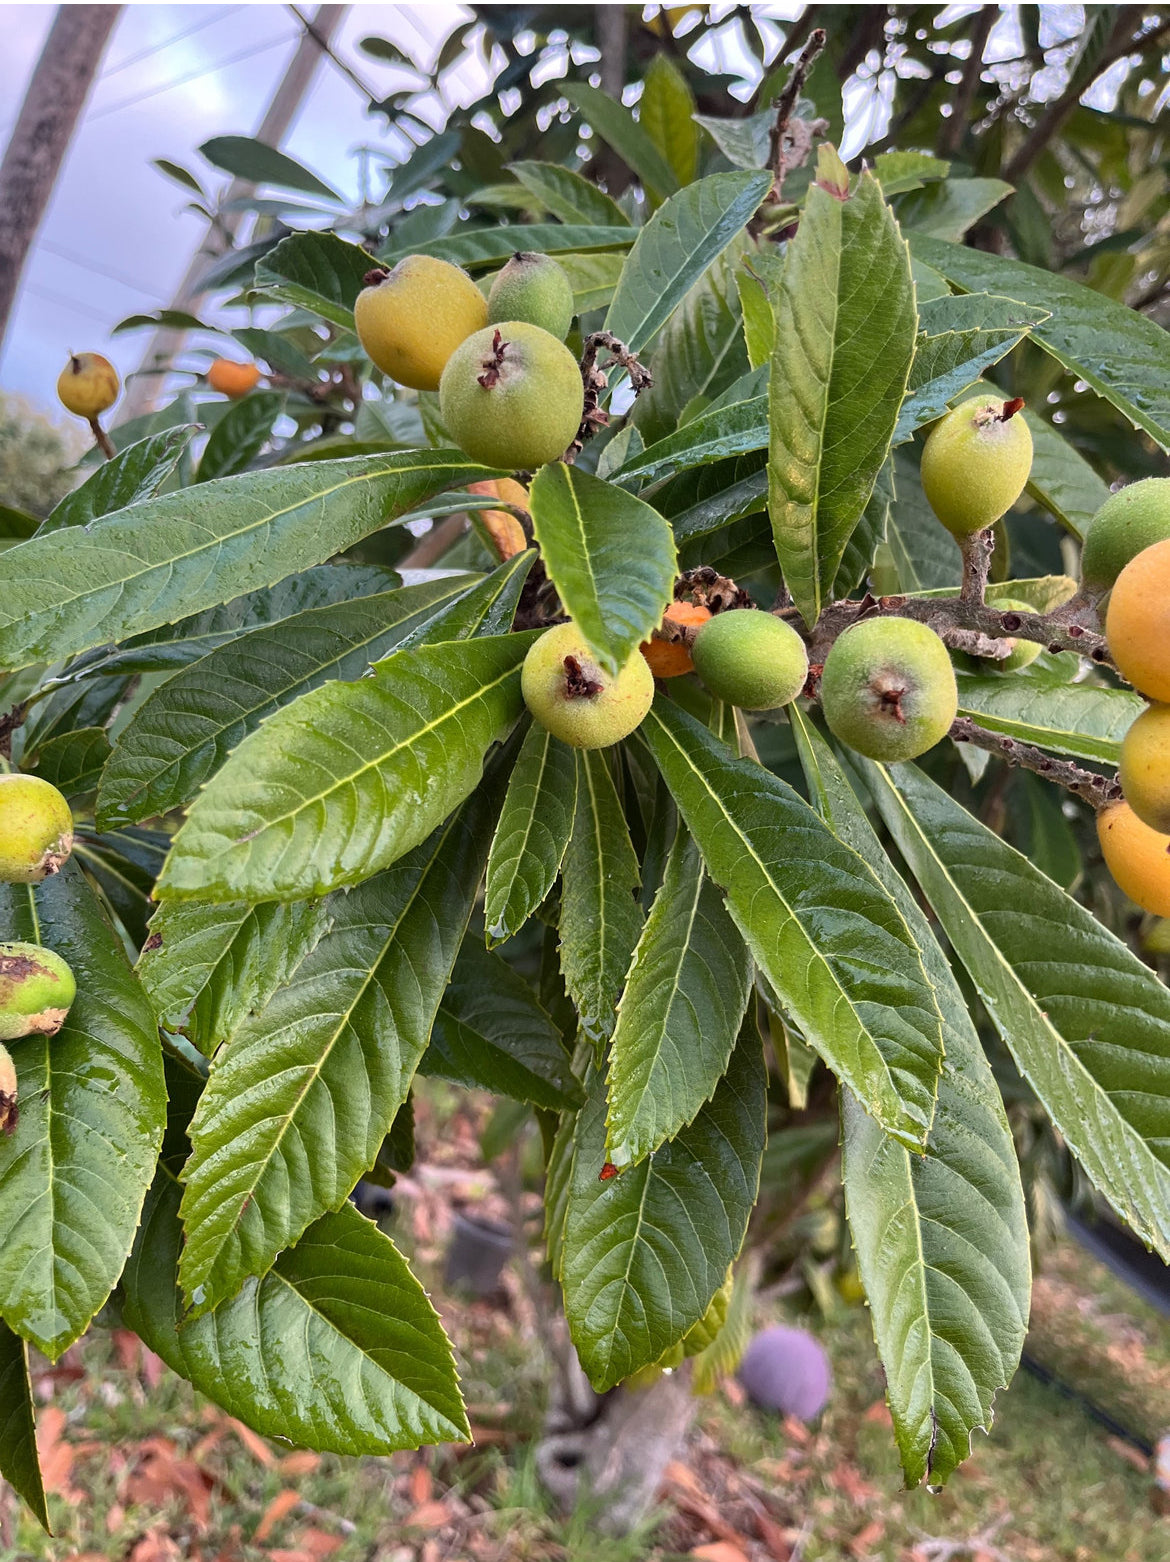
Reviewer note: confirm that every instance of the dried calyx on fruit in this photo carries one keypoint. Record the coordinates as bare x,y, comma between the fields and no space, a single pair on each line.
512,396
888,688
36,991
36,829
976,462
578,701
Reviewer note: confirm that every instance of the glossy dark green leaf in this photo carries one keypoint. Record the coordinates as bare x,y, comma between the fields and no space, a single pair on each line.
685,997
480,247
644,1253
948,210
959,338
19,1462
736,422
74,1173
351,776
600,919
306,1088
941,1239
568,195
337,1348
123,865
845,333
674,249
136,473
178,554
1121,354
1081,719
700,350
533,833
73,761
614,593
182,733
491,1034
240,435
1061,479
1086,1022
318,272
826,935
248,158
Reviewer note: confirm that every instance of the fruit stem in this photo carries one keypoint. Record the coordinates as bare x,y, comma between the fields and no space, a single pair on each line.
976,550
102,439
1091,788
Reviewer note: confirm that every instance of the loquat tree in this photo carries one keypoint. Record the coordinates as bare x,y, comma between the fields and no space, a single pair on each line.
354,800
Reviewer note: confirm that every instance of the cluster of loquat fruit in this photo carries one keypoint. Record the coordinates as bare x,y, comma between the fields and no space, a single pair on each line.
1126,567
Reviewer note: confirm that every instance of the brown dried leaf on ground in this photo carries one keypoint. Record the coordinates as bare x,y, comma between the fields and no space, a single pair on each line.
56,1455
160,1475
279,1508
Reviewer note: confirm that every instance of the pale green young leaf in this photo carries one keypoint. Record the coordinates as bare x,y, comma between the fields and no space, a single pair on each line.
675,247
845,335
826,935
666,113
351,776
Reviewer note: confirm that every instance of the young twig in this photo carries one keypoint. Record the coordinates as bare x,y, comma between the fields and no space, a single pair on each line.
789,144
594,378
102,439
1092,789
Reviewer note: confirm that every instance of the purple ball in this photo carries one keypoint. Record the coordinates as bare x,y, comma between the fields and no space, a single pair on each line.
786,1370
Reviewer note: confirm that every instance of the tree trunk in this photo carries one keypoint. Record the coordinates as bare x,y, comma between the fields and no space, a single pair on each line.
56,95
143,389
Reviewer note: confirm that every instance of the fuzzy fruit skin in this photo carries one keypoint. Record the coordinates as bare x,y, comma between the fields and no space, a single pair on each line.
411,322
589,720
232,379
751,659
36,829
672,658
1129,521
535,289
888,689
1023,651
975,465
1144,771
36,990
88,385
1137,622
1136,856
8,1112
512,396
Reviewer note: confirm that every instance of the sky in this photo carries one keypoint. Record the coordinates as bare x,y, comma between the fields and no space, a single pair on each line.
117,236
